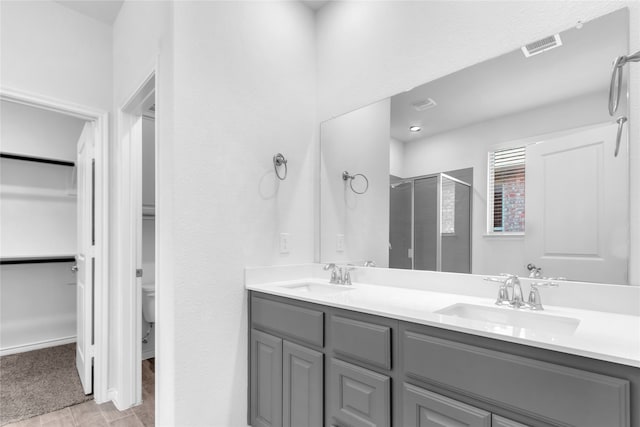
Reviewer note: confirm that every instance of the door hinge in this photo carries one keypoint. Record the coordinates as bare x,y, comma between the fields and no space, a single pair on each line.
138,272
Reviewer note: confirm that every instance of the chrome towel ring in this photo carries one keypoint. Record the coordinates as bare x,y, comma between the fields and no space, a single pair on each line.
346,176
279,160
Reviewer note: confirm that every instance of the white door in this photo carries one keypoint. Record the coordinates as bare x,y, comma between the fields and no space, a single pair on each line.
577,206
84,257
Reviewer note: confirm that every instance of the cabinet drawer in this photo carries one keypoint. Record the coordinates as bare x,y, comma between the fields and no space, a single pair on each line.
363,341
498,421
553,393
358,397
299,323
425,408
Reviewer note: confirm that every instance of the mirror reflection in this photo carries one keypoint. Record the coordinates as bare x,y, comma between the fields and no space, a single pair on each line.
505,166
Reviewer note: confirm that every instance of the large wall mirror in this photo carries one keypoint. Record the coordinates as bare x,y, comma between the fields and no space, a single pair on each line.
509,165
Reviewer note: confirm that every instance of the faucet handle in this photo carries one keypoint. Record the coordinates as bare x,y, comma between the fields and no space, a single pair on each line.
503,293
534,301
328,266
548,283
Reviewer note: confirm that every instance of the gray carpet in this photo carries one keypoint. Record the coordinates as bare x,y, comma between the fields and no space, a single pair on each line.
38,382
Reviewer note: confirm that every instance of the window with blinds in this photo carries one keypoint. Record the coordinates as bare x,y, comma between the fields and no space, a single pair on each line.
506,190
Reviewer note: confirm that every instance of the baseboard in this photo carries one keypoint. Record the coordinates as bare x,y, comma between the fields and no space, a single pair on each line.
112,395
37,345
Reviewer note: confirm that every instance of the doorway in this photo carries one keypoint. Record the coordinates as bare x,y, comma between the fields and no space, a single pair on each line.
137,229
41,222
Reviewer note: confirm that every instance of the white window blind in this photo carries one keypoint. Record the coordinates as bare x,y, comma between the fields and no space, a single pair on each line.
506,190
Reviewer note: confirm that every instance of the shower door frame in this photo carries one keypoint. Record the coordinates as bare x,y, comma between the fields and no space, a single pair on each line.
438,176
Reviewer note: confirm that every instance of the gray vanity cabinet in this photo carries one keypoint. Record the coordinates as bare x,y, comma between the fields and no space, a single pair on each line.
498,421
313,365
287,383
358,397
423,408
286,377
302,385
266,380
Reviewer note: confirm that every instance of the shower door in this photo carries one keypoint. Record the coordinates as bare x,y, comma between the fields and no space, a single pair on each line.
401,225
426,217
455,225
430,224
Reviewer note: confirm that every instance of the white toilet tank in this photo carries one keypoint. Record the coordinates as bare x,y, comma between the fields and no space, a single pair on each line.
149,302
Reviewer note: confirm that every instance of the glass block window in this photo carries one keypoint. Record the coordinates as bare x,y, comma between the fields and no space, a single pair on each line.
448,214
506,190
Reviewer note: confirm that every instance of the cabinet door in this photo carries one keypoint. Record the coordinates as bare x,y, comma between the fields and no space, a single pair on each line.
358,397
302,389
423,408
266,380
498,421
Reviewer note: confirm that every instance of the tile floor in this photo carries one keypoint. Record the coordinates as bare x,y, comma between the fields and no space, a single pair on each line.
89,414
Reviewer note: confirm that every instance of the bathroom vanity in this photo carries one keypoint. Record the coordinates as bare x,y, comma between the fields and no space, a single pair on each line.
315,362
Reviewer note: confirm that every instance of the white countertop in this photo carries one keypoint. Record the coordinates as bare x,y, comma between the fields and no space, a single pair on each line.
600,335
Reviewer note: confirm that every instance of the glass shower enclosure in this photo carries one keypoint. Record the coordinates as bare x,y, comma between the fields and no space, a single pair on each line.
430,223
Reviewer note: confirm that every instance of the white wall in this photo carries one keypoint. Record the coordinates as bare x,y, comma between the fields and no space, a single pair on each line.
372,50
148,162
357,142
396,157
244,90
237,85
50,50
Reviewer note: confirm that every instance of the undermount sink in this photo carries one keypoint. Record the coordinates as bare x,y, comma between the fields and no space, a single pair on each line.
317,288
558,325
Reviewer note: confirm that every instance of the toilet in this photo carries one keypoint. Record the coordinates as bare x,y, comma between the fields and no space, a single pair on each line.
149,302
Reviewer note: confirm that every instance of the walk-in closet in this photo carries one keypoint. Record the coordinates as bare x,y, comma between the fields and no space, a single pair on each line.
38,207
38,287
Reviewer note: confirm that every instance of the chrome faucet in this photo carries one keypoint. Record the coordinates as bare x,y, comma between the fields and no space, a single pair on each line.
339,275
535,302
534,272
336,277
516,299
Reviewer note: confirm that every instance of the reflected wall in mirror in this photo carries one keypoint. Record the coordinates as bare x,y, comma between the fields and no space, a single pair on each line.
521,144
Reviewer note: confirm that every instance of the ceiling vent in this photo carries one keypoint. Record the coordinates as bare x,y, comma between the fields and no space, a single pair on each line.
542,45
424,104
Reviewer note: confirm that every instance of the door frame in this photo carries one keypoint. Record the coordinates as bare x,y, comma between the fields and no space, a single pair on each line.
128,200
101,254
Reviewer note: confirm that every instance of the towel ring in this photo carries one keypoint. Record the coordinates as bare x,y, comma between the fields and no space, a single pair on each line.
346,176
279,160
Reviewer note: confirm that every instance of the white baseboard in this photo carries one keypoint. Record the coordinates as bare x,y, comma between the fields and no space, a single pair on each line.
36,345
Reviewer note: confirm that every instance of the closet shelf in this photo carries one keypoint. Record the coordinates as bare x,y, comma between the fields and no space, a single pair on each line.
37,259
36,159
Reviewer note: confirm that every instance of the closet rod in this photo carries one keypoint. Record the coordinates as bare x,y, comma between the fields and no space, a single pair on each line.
36,260
36,159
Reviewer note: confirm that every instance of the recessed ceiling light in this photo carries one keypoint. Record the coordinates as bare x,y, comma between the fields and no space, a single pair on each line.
415,128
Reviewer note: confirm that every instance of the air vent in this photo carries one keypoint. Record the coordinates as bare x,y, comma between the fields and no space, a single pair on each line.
542,45
424,104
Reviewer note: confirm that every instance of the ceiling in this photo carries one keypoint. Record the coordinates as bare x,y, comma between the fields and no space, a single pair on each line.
315,4
105,11
512,83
